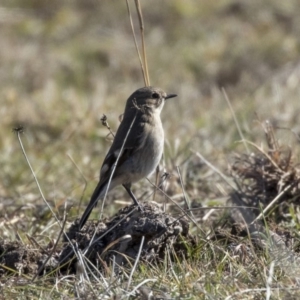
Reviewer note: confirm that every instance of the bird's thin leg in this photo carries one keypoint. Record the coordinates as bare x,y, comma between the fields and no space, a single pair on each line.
129,191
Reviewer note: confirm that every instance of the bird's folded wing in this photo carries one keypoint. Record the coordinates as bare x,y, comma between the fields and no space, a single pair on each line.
113,161
132,143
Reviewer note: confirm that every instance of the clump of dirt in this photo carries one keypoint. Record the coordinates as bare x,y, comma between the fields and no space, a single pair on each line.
264,175
121,237
18,257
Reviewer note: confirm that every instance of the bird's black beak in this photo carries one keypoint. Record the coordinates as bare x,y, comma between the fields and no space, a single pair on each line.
170,96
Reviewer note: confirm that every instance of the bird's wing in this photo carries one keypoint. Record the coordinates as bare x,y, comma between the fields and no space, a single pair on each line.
132,143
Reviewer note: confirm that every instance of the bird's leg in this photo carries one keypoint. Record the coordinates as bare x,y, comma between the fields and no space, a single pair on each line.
129,191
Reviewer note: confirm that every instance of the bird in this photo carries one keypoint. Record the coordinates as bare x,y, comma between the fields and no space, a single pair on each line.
137,146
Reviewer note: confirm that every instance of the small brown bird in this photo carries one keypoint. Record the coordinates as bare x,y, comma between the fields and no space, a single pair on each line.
137,147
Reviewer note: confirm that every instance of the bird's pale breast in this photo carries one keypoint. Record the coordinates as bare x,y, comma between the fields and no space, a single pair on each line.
148,156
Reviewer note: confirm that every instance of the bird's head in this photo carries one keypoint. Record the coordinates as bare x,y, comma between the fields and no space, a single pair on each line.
148,99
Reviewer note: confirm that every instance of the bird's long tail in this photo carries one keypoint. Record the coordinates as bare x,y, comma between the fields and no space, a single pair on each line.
93,202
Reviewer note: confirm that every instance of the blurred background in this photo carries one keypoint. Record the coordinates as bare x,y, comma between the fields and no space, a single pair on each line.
66,63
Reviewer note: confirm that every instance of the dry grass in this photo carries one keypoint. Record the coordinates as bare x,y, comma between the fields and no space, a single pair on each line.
64,64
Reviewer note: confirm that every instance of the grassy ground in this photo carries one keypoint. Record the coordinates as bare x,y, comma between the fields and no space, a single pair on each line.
64,64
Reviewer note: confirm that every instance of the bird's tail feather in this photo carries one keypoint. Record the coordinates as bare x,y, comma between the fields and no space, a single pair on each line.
93,202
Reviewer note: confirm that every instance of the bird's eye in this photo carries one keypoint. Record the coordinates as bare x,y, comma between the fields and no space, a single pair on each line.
155,95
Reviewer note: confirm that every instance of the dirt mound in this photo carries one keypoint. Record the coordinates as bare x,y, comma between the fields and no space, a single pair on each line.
20,258
150,231
267,179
